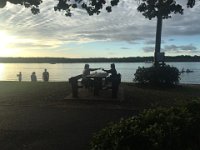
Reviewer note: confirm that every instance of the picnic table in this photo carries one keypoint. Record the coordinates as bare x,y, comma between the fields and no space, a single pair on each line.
98,80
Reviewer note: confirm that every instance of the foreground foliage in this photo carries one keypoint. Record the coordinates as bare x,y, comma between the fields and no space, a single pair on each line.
163,75
155,129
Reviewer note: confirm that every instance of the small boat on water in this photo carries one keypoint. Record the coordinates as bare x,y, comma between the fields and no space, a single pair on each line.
186,71
148,62
52,63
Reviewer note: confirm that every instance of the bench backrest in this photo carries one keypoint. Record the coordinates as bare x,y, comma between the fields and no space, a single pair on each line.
75,78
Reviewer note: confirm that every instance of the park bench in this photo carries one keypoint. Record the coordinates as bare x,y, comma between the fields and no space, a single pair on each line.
75,84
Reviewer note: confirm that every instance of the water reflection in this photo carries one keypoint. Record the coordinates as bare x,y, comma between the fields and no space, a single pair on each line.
2,70
62,72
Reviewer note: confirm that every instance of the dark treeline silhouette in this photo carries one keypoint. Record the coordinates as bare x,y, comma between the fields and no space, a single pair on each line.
181,58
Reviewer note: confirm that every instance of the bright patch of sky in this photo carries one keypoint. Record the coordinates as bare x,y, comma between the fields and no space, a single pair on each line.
122,33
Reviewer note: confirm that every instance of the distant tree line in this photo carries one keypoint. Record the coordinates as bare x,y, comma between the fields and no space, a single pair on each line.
182,58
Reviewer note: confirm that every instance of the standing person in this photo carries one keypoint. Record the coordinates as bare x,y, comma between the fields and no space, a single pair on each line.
86,71
45,75
19,76
33,77
112,72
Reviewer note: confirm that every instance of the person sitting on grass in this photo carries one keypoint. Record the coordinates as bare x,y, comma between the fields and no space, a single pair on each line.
33,77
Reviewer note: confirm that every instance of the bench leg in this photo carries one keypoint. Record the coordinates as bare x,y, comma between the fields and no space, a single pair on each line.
75,90
115,91
97,85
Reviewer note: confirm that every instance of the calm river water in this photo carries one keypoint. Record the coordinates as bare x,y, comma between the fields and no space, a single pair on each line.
62,72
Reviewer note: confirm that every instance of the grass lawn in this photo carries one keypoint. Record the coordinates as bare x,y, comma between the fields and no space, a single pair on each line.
29,92
139,96
145,97
62,128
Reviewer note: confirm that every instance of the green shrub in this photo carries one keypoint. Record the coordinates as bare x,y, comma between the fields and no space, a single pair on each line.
156,129
163,75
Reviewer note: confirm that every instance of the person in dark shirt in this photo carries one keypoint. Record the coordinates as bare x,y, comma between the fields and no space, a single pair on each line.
45,75
19,76
33,77
112,72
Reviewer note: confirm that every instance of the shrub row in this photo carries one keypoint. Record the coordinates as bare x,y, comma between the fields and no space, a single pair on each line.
157,129
163,75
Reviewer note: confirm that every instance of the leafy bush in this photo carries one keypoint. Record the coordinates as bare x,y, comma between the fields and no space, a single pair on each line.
163,75
156,129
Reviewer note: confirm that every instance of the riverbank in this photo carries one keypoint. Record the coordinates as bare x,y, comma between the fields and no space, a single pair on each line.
54,60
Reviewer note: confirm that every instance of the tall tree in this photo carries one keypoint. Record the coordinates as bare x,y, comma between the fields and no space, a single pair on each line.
160,9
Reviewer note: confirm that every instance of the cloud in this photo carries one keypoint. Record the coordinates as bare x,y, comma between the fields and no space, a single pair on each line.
34,43
186,24
149,42
124,24
180,49
148,49
174,49
124,48
171,40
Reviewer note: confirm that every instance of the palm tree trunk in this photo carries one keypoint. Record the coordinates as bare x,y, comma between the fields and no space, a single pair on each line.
158,39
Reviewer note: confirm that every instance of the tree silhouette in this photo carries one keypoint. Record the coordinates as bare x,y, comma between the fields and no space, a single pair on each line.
161,9
33,4
91,6
191,3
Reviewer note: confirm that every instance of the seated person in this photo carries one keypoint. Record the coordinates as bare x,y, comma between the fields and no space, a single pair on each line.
33,77
87,82
112,72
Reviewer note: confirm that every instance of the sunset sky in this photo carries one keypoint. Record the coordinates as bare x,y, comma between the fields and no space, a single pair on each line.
122,33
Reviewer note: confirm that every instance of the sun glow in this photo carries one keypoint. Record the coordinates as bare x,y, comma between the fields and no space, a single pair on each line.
2,72
5,40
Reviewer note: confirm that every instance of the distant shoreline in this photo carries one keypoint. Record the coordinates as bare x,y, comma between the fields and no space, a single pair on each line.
53,60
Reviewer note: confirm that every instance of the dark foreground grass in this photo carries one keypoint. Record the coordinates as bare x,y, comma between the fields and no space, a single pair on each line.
138,96
146,96
49,128
30,92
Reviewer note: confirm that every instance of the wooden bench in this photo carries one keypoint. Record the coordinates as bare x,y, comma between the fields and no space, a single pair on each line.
114,85
75,84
